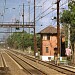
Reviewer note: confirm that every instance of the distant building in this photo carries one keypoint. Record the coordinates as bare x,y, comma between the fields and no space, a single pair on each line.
48,43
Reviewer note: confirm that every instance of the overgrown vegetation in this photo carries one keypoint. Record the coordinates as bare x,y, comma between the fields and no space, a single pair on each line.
17,40
68,18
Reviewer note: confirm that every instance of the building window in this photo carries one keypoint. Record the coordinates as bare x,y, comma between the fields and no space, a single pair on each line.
48,37
46,49
44,37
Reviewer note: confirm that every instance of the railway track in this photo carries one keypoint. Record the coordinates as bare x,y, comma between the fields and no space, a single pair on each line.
69,67
3,65
31,69
64,70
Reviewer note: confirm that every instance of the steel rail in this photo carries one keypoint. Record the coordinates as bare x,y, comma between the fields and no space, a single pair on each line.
5,68
50,65
43,73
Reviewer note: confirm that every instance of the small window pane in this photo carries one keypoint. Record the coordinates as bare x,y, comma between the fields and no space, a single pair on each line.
48,37
46,49
44,37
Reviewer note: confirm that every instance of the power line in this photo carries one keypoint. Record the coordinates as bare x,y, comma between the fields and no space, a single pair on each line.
45,11
44,1
37,6
50,12
33,7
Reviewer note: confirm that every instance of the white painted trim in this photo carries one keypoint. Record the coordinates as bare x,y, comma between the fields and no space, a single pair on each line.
45,58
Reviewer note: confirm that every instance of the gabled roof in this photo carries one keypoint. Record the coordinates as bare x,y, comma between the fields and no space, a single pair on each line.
49,30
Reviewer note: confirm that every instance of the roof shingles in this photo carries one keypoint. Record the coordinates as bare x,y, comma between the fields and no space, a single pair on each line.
48,30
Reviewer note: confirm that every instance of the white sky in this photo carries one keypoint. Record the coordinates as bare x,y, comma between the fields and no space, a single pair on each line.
10,14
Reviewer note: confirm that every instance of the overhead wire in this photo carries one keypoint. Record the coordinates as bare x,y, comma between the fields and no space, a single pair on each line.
51,11
38,6
45,10
32,10
44,1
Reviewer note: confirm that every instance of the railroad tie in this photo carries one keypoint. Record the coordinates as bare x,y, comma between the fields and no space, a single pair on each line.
3,68
1,62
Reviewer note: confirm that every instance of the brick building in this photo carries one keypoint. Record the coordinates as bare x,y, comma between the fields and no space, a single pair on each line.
48,43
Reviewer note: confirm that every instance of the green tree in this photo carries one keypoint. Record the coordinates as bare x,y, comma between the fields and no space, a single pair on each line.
68,17
18,40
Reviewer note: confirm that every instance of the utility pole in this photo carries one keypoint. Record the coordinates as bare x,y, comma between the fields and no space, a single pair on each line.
58,30
29,16
23,26
35,41
23,17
